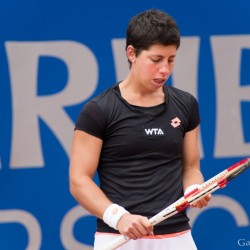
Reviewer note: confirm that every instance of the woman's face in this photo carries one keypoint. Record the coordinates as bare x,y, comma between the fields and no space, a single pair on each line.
153,67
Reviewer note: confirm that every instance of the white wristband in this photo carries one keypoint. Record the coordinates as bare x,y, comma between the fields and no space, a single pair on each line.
113,214
191,188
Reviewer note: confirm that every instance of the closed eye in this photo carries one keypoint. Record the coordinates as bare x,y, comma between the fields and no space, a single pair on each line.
157,59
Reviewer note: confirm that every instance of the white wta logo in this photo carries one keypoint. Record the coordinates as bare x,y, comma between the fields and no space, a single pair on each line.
154,131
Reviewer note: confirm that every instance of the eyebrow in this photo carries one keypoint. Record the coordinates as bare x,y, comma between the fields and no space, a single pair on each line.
162,56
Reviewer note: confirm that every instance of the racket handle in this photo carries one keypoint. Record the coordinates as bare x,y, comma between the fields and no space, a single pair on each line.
119,241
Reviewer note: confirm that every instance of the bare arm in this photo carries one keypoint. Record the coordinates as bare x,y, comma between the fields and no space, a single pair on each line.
191,164
83,164
191,159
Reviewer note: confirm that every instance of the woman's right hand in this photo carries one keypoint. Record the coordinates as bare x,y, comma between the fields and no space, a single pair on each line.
135,226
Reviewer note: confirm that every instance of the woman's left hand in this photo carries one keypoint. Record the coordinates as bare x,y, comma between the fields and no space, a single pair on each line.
203,202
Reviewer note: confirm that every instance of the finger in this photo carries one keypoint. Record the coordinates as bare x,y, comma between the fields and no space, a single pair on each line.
143,228
198,204
203,202
147,226
139,233
136,230
151,231
194,205
131,235
208,197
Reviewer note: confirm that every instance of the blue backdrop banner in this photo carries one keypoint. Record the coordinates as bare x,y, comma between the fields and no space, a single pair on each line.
56,55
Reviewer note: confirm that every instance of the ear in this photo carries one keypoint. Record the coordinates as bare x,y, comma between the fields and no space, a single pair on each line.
131,53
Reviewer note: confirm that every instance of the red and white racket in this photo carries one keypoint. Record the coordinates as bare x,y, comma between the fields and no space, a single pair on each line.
218,181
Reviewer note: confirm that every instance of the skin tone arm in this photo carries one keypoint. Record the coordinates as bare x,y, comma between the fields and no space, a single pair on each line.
191,165
84,160
83,164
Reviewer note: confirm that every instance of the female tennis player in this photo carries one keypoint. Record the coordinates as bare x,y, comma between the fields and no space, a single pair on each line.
141,136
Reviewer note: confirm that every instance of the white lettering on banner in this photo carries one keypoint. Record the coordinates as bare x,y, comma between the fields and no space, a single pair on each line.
229,94
23,58
185,71
28,221
226,203
67,229
120,58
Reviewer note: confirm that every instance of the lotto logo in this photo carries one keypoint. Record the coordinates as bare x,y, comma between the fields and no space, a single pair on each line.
175,122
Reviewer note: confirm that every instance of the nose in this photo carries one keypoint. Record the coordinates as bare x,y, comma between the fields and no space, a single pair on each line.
164,68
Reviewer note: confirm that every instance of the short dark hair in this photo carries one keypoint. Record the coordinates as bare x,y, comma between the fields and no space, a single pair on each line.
152,27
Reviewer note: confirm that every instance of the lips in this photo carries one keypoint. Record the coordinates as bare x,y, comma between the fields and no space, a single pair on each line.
158,82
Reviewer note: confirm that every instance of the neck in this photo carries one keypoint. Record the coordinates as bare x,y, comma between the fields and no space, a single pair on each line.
138,95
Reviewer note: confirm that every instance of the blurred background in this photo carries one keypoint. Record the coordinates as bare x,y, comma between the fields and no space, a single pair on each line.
56,55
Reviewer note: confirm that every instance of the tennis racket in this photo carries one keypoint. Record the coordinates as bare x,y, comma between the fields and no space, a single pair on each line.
211,185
